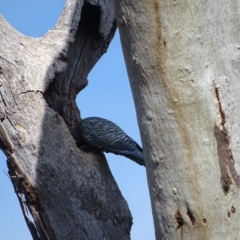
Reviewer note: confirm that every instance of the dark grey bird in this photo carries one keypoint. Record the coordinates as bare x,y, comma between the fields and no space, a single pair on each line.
106,136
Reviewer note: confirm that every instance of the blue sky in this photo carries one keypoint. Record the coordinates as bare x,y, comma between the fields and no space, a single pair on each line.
107,95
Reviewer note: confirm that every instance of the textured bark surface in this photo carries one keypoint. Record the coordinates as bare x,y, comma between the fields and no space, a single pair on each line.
183,61
70,194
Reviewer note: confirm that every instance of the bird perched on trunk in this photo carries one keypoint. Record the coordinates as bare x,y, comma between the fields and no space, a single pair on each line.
104,135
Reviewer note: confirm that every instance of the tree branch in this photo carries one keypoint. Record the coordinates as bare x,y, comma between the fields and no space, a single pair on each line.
70,194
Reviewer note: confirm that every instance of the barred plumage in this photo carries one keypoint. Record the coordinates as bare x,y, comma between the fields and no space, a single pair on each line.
108,137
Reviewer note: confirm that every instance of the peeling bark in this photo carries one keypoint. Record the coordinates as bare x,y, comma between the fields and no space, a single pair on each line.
70,194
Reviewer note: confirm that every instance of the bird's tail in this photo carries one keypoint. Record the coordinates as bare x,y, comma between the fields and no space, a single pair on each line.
136,156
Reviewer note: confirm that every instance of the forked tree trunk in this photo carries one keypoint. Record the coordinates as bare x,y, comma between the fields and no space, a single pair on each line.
71,194
183,61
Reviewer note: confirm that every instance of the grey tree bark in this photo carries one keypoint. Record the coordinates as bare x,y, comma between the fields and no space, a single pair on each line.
183,61
70,194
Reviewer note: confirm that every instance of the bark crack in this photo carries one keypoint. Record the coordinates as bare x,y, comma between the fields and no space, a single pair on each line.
29,201
179,219
222,114
191,215
8,61
26,49
30,91
16,181
3,99
89,26
225,156
77,62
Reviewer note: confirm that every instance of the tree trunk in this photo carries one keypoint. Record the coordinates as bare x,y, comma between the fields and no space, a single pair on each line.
71,194
183,61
